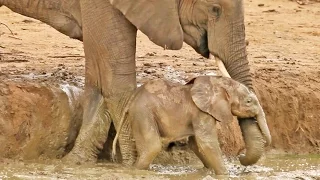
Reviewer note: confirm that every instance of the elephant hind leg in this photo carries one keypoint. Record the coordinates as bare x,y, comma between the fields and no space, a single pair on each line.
148,142
127,144
89,142
146,156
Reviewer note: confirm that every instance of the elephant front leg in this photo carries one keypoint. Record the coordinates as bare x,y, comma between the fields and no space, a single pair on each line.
109,43
206,146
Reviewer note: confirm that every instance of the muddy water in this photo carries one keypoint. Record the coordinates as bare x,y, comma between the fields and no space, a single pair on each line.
270,167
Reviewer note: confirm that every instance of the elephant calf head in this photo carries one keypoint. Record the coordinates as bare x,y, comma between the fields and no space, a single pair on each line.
224,98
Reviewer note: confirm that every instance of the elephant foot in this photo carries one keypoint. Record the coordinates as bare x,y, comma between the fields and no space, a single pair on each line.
94,131
78,158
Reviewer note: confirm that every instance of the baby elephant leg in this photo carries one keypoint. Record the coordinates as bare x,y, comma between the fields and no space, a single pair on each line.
147,140
206,146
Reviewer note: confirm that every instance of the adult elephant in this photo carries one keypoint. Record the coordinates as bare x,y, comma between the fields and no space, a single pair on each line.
108,30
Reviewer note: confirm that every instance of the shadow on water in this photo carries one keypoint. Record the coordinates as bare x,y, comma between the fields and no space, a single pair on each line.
270,167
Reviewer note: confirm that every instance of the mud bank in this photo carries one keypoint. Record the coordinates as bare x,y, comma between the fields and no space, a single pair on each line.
292,110
38,120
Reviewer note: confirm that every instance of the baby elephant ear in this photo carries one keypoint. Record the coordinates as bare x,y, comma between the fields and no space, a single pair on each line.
212,99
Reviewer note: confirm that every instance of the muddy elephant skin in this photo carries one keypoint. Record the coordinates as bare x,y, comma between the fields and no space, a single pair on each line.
161,112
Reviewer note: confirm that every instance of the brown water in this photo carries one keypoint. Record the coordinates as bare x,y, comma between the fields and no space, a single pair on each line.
270,167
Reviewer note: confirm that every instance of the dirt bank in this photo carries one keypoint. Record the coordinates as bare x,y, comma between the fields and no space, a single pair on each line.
284,47
37,120
292,110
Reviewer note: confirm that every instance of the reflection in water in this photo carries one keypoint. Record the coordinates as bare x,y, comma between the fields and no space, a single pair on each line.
270,167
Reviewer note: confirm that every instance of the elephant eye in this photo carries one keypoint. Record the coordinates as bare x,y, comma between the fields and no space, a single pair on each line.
249,100
216,10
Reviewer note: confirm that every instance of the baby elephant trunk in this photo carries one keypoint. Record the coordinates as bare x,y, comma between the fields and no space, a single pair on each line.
254,141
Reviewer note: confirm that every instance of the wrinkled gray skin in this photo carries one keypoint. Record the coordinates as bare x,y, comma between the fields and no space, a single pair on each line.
161,112
108,31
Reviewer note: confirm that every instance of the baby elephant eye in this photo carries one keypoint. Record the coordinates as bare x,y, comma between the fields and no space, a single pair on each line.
249,100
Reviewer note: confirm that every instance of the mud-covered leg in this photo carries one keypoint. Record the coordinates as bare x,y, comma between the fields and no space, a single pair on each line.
206,146
194,147
147,140
95,117
127,144
109,42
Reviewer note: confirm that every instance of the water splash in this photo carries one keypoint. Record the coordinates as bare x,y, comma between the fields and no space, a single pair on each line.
171,169
72,92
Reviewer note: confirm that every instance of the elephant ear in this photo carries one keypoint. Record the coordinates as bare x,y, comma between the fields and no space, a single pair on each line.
211,98
158,19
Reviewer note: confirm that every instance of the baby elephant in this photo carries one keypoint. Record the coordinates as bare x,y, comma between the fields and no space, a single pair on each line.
161,112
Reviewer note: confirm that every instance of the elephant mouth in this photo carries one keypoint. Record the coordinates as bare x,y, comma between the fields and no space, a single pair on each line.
203,48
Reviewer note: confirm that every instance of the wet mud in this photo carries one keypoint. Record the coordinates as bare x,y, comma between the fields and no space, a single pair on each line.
270,167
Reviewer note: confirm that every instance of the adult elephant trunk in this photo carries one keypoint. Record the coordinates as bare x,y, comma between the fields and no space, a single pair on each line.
254,142
226,41
232,52
255,134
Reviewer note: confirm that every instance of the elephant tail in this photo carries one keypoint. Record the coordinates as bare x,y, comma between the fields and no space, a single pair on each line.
114,143
122,119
